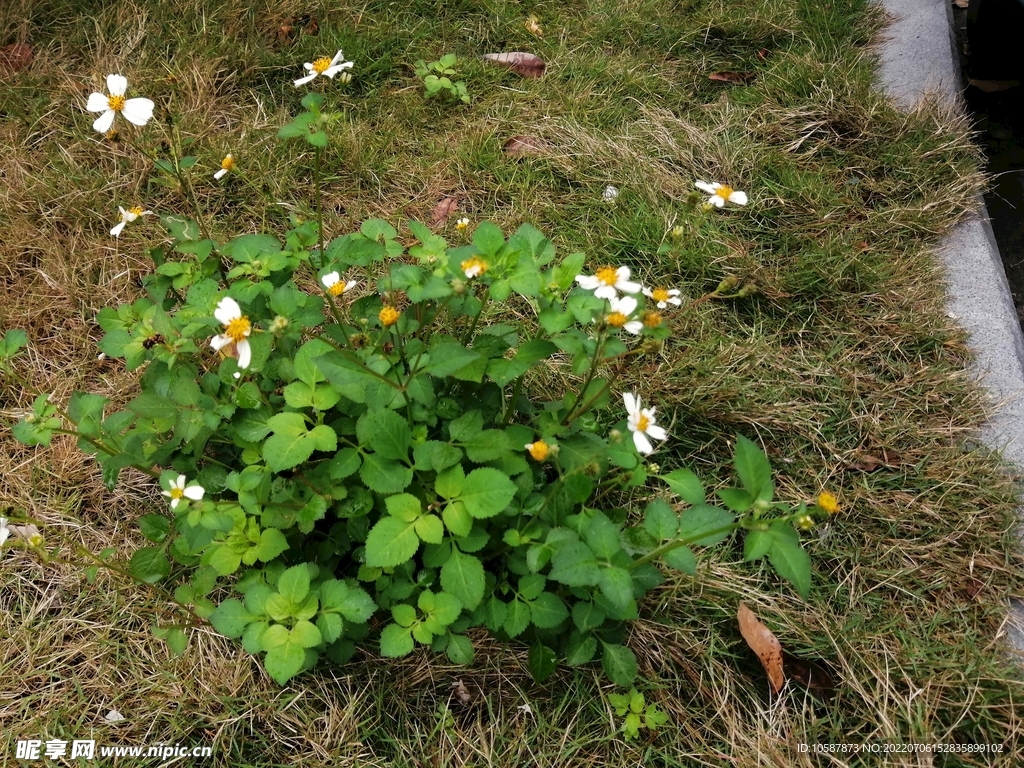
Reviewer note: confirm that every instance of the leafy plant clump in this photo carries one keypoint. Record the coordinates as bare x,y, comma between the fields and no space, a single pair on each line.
437,78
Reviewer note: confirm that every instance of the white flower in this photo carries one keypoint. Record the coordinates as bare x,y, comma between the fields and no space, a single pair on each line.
236,331
113,716
619,311
179,491
126,216
664,297
136,111
332,282
720,193
462,224
473,267
610,193
227,164
324,66
4,530
607,280
641,424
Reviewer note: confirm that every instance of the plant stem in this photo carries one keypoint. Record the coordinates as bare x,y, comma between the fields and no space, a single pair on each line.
665,548
319,207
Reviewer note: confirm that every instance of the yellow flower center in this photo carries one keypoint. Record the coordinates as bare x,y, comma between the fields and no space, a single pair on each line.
828,502
723,191
177,493
642,423
228,163
652,319
116,103
608,275
389,316
338,288
616,319
539,450
321,65
462,225
137,210
469,264
659,294
238,329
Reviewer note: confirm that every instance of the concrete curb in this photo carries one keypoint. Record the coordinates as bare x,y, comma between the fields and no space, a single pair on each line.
917,59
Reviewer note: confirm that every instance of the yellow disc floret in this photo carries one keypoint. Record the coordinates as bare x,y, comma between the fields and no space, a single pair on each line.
616,319
389,316
321,65
660,294
116,103
338,288
176,492
539,450
137,210
828,502
652,319
643,423
228,163
608,275
474,267
723,191
238,329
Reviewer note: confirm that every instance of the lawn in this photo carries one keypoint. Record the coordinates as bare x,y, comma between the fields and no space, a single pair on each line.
839,361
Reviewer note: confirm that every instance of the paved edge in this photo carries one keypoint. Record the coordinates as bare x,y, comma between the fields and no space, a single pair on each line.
918,60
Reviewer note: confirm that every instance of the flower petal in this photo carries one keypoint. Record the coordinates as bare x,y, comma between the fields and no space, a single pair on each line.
606,292
104,121
740,198
227,310
632,402
706,187
717,201
219,342
175,503
97,103
221,173
304,80
244,354
116,231
117,85
195,492
330,279
588,282
138,111
642,443
634,327
626,305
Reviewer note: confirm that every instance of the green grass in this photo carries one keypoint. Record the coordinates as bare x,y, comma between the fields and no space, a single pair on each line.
845,354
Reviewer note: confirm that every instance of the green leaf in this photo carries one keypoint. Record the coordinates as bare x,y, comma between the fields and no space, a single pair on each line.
448,357
617,585
574,565
736,499
602,536
756,545
457,519
581,649
272,543
660,521
293,584
487,446
403,614
789,559
686,485
391,542
330,625
305,635
154,527
404,506
702,525
292,443
351,602
430,529
619,664
682,559
466,427
177,641
449,483
459,650
11,342
395,641
486,492
587,616
488,238
386,433
284,662
753,469
230,618
463,576
383,475
150,565
517,618
542,662
548,611
436,456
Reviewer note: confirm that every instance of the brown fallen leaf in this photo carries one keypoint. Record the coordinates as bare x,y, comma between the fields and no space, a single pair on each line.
738,78
973,588
443,210
462,692
16,56
520,62
524,145
812,675
961,3
764,644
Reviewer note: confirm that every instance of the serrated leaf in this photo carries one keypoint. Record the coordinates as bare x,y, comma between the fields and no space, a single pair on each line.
756,545
391,542
682,559
284,661
617,585
459,650
517,618
463,576
293,584
150,565
430,529
619,664
330,625
587,616
542,662
753,469
548,611
383,475
230,618
155,527
351,602
386,433
486,492
686,485
660,521
705,525
395,641
574,565
790,560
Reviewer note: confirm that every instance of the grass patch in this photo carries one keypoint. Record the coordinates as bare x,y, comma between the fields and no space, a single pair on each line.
844,365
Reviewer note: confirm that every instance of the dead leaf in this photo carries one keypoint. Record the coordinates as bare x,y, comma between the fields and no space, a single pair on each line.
533,26
311,26
524,145
16,56
763,53
866,462
462,692
443,210
525,64
764,644
973,588
737,78
813,676
961,3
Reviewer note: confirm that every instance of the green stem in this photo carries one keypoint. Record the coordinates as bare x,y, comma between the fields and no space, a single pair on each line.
665,548
352,358
319,207
576,412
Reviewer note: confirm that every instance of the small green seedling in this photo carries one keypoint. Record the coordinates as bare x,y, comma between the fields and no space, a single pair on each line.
436,78
631,705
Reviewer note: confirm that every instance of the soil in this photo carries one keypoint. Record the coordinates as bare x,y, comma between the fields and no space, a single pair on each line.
999,119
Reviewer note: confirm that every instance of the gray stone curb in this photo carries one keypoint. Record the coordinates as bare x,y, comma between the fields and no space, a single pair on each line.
918,59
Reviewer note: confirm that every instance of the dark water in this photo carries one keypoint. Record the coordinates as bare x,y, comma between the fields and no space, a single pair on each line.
999,119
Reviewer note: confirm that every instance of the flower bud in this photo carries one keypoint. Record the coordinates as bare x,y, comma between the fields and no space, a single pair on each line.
727,284
279,324
615,436
748,290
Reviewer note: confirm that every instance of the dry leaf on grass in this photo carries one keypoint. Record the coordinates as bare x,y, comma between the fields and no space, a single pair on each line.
443,210
812,675
524,145
533,26
462,692
520,62
16,56
764,644
738,78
